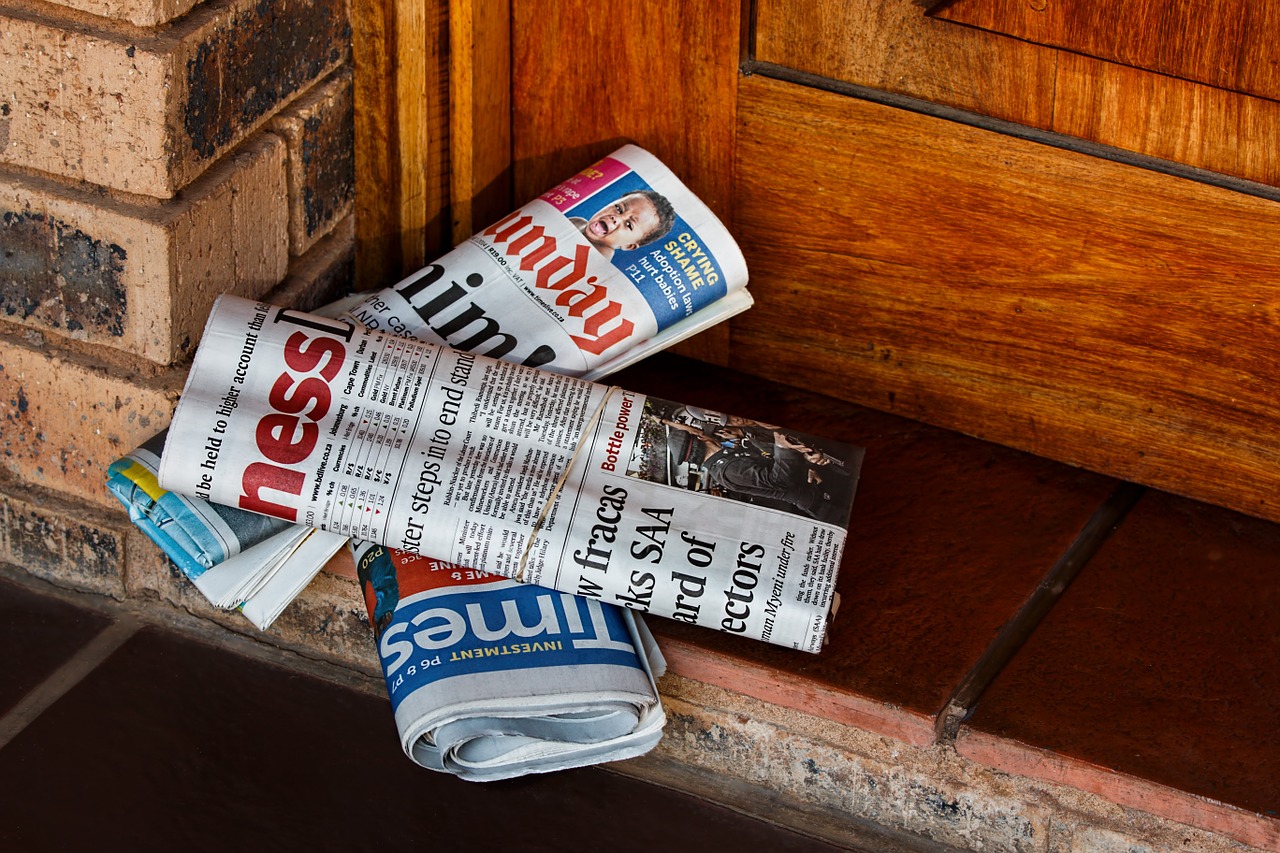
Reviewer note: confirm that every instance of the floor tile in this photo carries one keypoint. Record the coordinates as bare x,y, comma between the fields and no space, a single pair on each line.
1156,674
37,635
949,537
174,745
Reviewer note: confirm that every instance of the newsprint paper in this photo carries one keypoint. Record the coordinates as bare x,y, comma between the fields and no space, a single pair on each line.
491,679
549,479
607,267
614,263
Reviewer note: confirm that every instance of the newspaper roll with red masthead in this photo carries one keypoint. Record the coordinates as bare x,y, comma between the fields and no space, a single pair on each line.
545,478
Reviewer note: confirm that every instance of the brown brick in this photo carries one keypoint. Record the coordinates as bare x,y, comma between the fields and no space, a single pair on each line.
66,421
147,113
142,13
329,620
142,277
149,573
324,274
65,543
35,540
319,129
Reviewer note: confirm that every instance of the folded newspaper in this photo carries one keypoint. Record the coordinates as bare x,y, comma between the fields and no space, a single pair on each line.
569,692
235,558
653,266
549,479
491,679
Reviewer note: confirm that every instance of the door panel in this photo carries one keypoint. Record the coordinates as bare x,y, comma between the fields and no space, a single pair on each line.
1224,132
895,47
892,46
1229,44
1102,315
1097,313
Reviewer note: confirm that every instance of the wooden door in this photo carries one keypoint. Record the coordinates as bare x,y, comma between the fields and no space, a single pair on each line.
955,216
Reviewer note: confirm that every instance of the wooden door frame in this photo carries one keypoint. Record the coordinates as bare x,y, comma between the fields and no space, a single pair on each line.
432,127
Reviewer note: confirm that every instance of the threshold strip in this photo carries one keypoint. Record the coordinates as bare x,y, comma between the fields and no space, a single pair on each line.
67,676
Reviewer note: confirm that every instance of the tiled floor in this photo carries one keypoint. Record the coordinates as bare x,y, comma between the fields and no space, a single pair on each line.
987,596
950,537
122,736
1153,681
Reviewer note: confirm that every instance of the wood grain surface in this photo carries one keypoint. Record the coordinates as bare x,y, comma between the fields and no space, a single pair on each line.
1229,44
661,75
1101,315
377,230
895,47
399,51
1128,108
479,114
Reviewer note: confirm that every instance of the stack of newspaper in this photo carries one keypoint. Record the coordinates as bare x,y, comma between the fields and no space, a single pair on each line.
644,265
615,263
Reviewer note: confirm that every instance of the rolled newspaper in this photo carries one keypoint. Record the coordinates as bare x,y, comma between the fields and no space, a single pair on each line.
491,679
615,263
548,479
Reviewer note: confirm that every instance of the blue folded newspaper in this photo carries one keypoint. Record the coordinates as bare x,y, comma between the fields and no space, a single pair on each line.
195,534
491,679
237,559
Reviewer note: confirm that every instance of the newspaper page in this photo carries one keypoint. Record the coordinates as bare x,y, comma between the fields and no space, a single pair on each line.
546,478
491,679
238,560
599,271
664,260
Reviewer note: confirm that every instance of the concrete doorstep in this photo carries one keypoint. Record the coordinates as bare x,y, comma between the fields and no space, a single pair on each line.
826,780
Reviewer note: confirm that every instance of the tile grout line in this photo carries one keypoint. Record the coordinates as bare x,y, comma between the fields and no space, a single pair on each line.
1006,643
65,677
253,645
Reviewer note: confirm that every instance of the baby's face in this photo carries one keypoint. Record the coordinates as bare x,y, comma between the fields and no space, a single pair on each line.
623,223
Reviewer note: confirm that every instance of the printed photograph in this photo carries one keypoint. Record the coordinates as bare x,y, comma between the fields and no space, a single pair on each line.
625,217
744,460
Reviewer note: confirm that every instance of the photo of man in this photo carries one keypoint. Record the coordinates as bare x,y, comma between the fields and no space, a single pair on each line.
743,460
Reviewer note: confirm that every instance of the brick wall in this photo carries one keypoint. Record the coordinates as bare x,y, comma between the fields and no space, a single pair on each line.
153,154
